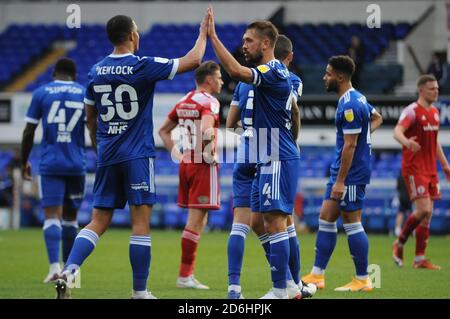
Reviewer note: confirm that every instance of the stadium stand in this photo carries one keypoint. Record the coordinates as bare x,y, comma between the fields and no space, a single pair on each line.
313,45
21,44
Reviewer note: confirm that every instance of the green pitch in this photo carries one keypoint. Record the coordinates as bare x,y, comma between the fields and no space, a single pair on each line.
107,272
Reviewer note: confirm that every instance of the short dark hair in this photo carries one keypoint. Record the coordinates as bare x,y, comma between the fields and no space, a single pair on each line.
343,64
66,66
265,29
119,28
205,69
283,47
423,79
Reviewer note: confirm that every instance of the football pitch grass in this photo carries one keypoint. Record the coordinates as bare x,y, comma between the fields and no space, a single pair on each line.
107,272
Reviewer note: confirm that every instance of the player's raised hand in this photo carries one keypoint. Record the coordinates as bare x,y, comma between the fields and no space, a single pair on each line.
413,145
204,25
211,24
26,172
447,172
337,191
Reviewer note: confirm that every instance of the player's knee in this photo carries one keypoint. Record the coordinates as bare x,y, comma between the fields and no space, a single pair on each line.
100,222
275,223
258,228
54,212
423,213
327,217
427,216
242,216
69,214
196,226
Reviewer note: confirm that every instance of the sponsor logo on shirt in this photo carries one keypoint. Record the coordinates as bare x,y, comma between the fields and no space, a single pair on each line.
64,137
430,127
115,128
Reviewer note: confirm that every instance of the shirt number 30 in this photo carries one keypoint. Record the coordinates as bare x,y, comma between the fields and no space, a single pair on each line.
113,108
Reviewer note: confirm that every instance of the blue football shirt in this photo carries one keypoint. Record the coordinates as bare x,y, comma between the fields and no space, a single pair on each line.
297,86
122,87
243,97
60,106
273,96
353,116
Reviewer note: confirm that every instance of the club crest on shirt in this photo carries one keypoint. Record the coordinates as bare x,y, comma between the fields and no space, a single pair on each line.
263,68
349,115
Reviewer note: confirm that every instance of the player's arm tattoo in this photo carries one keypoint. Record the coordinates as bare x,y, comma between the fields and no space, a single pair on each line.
296,120
375,121
27,142
350,142
91,123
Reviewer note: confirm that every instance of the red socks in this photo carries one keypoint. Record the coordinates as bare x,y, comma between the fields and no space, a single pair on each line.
189,243
422,235
410,225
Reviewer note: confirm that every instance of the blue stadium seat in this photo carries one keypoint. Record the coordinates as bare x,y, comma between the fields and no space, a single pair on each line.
313,45
219,219
439,222
172,215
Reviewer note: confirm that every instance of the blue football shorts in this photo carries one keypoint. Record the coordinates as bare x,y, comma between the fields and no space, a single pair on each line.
275,186
58,190
353,198
131,181
243,176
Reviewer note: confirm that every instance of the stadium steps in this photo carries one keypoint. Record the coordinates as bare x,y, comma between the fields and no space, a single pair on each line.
31,74
389,56
406,88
